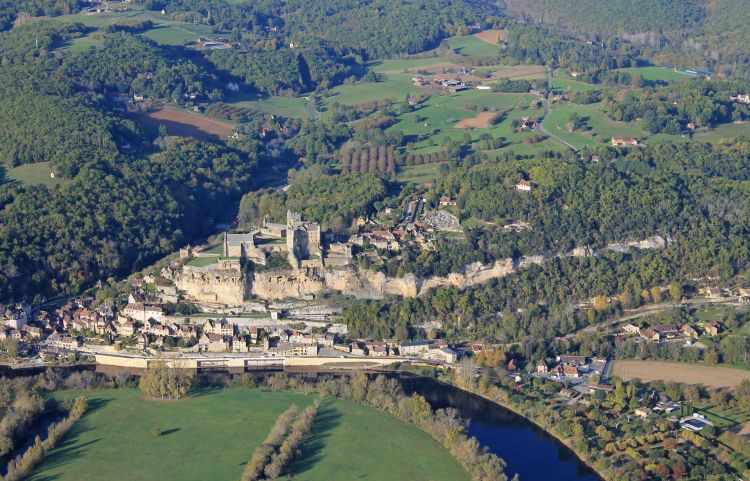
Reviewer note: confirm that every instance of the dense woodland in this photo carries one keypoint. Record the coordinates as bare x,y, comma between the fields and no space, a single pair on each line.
9,9
695,194
671,108
121,208
705,34
335,200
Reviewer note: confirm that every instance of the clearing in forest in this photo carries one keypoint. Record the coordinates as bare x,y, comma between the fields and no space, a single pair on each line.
186,124
493,37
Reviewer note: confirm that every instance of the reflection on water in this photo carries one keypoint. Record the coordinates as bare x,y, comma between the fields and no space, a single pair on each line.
527,449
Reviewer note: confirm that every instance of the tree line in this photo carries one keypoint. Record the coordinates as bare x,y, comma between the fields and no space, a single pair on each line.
443,425
162,381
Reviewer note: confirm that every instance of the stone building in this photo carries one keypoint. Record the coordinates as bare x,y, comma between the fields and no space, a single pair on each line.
303,241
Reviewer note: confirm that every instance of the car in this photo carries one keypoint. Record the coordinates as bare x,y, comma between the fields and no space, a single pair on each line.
342,357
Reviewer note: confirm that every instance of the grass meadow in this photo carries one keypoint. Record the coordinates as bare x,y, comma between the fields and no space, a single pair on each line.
211,435
32,174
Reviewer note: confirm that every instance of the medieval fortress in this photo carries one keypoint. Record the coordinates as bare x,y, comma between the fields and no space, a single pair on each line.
317,263
301,241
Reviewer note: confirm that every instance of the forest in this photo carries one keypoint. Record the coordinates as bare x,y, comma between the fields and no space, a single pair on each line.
704,34
671,108
121,208
9,9
334,200
115,216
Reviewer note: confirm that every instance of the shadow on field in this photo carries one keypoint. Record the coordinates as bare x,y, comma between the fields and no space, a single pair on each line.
326,421
68,449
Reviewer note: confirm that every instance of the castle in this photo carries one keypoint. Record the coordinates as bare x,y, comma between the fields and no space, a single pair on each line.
303,242
300,240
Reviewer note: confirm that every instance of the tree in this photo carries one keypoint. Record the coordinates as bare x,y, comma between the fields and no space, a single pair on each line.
656,294
600,303
675,292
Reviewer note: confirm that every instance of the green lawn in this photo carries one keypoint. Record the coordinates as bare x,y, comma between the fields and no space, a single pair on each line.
725,418
394,86
439,113
33,174
202,261
723,132
80,44
418,174
602,127
657,74
165,31
211,436
353,442
214,249
563,84
471,46
399,66
284,106
716,313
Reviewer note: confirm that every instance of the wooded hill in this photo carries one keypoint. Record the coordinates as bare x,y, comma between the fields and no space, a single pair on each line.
681,33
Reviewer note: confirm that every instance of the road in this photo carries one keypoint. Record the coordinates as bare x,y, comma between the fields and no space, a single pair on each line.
650,310
546,114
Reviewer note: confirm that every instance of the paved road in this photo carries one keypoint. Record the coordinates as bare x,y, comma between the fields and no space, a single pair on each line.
546,114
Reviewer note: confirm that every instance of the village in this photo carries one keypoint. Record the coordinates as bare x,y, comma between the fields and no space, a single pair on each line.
77,330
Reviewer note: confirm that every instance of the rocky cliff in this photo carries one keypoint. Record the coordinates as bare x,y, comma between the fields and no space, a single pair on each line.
214,286
367,284
231,287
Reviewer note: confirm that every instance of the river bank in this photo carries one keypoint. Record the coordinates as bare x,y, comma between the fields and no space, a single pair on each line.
583,460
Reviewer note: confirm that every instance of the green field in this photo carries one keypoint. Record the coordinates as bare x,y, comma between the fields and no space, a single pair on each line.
210,437
602,127
439,114
723,132
656,74
33,174
399,66
419,174
294,107
723,417
214,249
564,84
80,44
394,86
471,46
165,31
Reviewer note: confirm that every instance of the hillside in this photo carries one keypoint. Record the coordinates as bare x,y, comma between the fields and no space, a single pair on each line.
683,33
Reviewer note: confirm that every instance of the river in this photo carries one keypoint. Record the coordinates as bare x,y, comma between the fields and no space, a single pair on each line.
526,448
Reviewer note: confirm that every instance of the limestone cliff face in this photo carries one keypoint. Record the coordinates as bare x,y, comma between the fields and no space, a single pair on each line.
367,284
350,281
285,284
476,273
225,287
230,287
